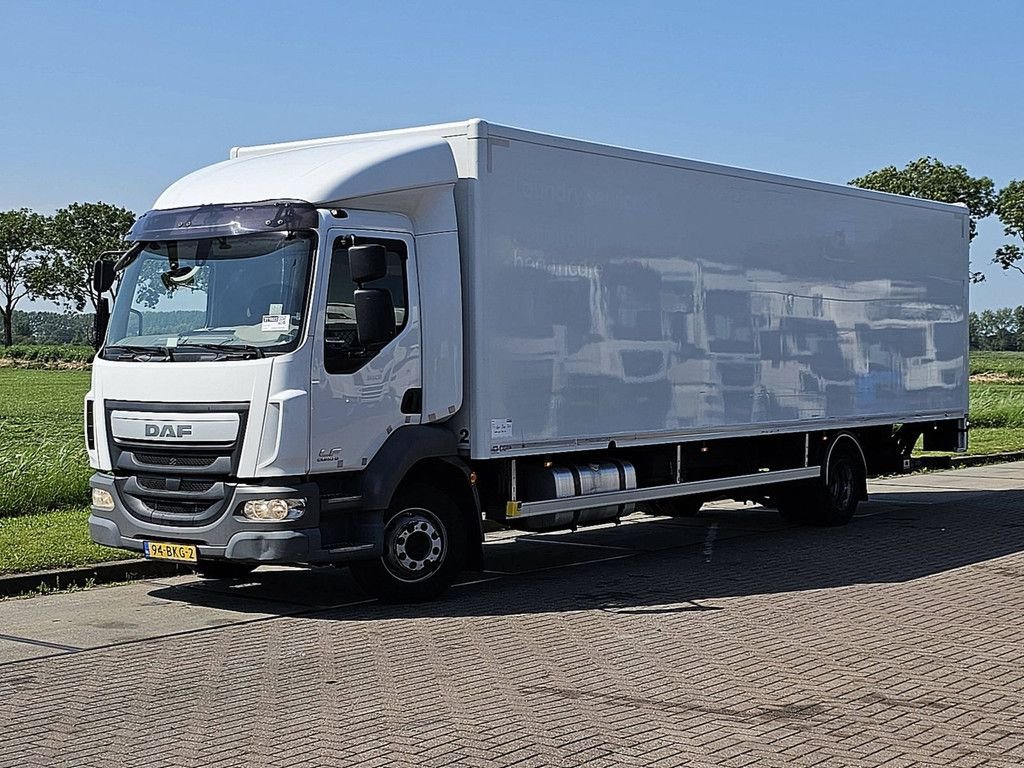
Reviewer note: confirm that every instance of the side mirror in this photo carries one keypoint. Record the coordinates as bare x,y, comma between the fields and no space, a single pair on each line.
367,263
102,275
375,316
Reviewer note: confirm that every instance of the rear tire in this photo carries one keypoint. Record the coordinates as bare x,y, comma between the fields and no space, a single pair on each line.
826,503
424,548
223,569
842,492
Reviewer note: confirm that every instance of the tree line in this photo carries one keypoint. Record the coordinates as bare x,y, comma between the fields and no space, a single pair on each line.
52,328
51,257
998,330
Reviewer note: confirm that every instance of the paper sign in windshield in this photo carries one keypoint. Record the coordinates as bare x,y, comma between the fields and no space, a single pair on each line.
276,323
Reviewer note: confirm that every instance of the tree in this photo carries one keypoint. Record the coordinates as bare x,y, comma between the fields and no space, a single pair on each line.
931,179
1010,209
55,327
998,329
76,237
21,237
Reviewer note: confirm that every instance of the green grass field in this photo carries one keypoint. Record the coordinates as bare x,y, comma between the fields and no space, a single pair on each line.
44,473
43,464
997,402
55,539
1001,364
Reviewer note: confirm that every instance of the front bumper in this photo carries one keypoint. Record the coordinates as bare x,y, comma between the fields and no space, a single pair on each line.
342,532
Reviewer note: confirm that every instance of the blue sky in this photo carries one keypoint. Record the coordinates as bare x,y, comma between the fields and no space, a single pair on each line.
114,100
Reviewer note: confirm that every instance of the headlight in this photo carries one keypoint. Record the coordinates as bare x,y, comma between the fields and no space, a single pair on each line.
102,499
273,509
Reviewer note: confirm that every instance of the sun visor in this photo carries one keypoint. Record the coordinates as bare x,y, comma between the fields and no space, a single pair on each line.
224,220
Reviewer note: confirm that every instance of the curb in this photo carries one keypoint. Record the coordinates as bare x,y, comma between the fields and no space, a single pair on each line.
958,462
98,573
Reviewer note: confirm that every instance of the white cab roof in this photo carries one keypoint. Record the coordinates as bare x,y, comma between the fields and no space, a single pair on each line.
319,173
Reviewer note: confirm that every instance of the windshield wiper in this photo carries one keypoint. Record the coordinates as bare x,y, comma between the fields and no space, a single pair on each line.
225,346
136,350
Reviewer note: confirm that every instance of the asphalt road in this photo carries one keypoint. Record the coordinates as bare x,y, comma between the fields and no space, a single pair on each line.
729,639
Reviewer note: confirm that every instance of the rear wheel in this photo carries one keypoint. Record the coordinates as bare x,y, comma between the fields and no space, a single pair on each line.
223,569
424,548
842,491
830,502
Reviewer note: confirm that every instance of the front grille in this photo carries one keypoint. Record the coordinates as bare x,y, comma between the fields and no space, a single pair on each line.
186,486
177,507
176,460
196,486
180,484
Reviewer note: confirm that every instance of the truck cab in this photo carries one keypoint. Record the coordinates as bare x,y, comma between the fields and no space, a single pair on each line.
268,360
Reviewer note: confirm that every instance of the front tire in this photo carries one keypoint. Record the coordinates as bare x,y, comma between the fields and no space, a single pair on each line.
424,548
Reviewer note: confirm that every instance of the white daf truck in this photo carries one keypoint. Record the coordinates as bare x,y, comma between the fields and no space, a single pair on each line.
355,350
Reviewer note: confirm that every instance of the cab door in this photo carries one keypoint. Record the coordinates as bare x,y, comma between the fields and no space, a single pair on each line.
359,396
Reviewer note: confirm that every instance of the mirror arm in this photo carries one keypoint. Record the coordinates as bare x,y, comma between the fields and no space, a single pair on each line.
128,256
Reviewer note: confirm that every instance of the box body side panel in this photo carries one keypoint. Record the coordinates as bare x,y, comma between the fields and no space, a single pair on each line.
614,299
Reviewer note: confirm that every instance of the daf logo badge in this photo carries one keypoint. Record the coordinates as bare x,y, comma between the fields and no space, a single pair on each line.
169,430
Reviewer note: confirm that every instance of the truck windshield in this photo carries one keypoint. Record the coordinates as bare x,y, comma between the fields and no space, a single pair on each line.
243,295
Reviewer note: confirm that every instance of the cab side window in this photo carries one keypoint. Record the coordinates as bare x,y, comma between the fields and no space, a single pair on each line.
342,351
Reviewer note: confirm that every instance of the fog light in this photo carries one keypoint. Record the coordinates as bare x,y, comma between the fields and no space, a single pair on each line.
273,509
102,499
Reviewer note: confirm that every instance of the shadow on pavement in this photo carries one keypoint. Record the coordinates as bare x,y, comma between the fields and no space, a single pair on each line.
673,566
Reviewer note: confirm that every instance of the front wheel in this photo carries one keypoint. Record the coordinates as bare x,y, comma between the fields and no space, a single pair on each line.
424,548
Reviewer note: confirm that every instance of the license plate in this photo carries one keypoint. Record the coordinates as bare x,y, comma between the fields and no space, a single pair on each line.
165,550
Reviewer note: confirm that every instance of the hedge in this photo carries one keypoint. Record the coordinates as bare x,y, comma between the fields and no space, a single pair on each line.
48,353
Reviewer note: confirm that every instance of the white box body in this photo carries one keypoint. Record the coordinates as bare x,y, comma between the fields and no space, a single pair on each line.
615,295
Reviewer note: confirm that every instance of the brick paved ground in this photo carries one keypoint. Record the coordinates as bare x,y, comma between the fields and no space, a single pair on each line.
729,640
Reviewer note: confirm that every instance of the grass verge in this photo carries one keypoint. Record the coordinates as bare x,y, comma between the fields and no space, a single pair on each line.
43,464
1008,365
55,539
995,440
997,405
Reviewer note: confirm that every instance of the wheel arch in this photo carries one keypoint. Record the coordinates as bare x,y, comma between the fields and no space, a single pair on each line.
402,451
452,478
